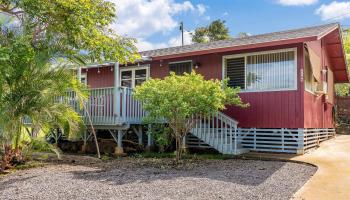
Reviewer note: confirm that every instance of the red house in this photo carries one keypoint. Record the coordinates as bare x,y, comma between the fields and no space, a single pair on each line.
287,78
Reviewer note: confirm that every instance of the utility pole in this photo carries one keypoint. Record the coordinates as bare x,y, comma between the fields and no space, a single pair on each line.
182,32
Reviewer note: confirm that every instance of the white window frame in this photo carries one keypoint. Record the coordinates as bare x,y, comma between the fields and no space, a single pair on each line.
183,61
83,75
245,55
133,69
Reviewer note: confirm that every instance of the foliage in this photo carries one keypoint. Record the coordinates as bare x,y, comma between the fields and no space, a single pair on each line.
217,30
243,35
68,27
36,37
162,136
344,88
30,88
180,99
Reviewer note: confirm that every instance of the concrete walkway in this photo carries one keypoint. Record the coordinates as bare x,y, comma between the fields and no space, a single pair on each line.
332,179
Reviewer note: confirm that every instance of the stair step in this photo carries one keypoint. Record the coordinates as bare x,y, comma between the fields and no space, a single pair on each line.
239,151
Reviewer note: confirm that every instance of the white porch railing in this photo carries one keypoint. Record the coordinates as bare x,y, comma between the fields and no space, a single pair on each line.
107,106
218,131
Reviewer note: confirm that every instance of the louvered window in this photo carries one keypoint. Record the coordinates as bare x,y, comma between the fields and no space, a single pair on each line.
180,67
264,71
235,71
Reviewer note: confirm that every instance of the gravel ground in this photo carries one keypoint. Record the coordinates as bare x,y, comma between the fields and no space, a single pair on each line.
157,179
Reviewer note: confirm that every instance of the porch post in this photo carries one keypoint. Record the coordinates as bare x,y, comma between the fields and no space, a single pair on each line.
149,138
119,149
301,137
116,103
79,74
140,135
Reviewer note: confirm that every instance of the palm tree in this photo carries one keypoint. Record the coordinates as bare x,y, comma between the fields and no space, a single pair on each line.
33,86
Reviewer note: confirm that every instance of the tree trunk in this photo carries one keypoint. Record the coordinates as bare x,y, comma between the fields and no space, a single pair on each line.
178,148
93,132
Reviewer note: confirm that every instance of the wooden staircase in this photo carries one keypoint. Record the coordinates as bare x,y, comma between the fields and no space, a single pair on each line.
220,132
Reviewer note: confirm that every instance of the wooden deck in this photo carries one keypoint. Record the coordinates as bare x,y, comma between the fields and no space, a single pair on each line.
110,107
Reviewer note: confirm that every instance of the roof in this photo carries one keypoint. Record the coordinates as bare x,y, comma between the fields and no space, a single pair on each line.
314,32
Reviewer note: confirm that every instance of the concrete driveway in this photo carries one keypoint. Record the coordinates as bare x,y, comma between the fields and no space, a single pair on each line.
332,179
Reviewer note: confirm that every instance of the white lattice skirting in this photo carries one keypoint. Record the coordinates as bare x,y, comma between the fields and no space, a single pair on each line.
283,140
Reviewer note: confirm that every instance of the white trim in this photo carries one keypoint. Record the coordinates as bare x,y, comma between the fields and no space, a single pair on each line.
133,69
295,87
260,53
84,75
182,61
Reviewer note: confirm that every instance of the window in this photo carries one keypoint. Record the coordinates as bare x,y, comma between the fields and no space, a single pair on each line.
180,67
133,76
83,78
310,82
235,69
265,71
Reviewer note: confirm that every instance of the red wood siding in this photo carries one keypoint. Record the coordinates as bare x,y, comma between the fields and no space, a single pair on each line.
317,109
280,109
99,80
267,109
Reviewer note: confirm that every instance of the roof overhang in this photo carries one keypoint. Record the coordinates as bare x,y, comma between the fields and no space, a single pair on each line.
112,63
333,43
238,48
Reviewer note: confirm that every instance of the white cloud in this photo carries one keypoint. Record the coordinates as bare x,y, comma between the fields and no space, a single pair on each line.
178,7
297,2
143,18
177,41
201,9
144,45
335,11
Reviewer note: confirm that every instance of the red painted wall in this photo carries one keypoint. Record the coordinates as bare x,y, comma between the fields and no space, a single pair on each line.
267,109
281,109
318,109
100,80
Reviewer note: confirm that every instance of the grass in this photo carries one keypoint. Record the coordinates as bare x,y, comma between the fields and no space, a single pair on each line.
29,165
26,165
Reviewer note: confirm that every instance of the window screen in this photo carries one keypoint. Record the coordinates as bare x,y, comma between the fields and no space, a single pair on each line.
235,71
181,67
272,71
263,71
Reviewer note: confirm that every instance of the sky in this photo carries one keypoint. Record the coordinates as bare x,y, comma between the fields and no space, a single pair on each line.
155,23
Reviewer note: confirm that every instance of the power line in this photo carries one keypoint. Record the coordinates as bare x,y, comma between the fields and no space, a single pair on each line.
348,13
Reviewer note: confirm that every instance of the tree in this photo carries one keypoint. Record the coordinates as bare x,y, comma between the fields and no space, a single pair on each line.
200,35
344,88
42,35
71,26
30,88
243,35
180,99
217,30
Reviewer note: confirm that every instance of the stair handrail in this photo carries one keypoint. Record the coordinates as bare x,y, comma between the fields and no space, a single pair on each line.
218,130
